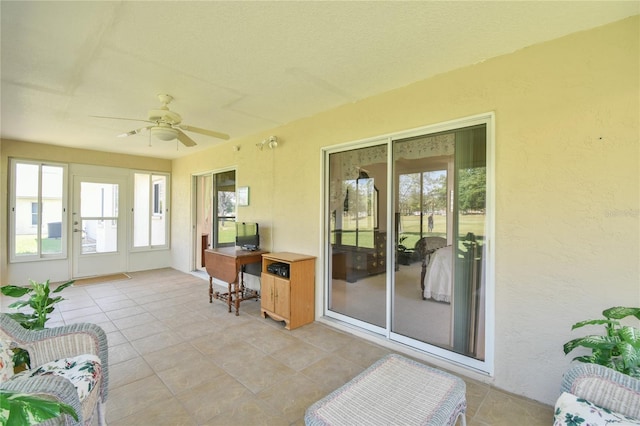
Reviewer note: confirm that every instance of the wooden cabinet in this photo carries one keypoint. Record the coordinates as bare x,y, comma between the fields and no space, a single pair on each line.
290,299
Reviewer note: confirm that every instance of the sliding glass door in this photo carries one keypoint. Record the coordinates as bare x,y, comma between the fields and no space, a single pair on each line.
440,209
358,235
408,231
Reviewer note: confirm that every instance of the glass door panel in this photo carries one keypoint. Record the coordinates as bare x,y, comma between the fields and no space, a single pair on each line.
357,234
98,227
440,187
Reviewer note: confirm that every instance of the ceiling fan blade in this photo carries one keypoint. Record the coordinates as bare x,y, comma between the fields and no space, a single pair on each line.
186,140
204,131
133,132
121,118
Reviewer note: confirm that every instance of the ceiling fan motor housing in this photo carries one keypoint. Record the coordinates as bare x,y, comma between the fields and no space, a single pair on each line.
164,116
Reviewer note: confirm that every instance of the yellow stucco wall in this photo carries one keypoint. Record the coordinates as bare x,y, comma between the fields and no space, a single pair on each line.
567,194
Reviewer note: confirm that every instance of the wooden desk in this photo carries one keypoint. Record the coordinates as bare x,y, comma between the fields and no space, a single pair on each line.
225,264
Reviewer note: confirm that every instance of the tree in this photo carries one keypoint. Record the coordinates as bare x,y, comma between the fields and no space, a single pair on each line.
472,189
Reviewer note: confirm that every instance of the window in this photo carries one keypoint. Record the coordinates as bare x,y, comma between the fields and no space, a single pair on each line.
34,214
150,211
157,202
37,211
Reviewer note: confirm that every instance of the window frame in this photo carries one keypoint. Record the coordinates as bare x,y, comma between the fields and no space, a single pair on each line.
164,214
12,211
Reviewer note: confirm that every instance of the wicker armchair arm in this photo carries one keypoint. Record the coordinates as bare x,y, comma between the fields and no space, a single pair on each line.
604,387
60,342
55,387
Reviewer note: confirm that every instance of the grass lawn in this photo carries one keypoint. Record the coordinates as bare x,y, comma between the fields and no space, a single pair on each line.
28,244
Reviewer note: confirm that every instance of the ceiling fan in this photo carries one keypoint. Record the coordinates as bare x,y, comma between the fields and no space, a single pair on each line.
167,125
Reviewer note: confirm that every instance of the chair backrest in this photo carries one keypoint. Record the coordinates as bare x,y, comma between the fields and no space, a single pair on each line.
604,387
426,245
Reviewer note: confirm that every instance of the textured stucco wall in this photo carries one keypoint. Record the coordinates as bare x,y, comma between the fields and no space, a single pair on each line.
567,172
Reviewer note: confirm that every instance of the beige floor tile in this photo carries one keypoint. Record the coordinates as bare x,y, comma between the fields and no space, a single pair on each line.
128,371
174,355
362,353
144,330
298,355
247,412
209,399
156,342
332,371
136,396
132,321
291,397
476,393
184,376
270,340
326,339
121,353
116,338
258,373
502,409
167,412
201,365
125,312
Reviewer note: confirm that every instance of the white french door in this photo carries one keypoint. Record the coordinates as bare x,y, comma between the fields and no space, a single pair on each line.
99,226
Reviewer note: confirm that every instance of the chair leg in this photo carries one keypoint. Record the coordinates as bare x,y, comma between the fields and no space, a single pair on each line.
101,407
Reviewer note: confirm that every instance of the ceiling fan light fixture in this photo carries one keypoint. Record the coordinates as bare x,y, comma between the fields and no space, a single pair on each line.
164,133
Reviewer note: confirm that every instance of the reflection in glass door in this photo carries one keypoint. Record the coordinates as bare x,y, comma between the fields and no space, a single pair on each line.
357,233
407,234
440,207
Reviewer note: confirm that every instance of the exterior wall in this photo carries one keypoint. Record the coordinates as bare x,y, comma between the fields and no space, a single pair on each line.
567,173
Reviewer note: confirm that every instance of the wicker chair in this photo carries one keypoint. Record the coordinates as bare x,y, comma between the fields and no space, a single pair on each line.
425,247
604,387
45,346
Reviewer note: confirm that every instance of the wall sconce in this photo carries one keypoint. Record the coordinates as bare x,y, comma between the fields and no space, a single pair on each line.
271,142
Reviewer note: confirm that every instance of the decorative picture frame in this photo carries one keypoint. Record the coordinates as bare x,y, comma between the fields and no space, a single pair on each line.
242,197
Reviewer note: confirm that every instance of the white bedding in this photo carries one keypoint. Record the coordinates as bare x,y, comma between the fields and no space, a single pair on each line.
437,280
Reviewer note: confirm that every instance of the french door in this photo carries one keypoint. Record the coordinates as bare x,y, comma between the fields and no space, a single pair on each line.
99,226
408,225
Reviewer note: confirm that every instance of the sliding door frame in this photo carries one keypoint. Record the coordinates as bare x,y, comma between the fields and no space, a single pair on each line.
485,366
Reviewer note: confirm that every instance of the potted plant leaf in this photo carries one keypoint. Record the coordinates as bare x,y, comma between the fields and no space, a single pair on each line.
41,302
20,409
618,348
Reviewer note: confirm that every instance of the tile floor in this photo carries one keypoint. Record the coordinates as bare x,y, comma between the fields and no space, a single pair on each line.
175,359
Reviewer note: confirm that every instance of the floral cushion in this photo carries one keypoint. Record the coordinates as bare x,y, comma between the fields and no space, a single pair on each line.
83,371
6,361
573,411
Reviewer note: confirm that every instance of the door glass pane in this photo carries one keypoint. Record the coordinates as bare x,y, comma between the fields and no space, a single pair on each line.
225,185
52,208
159,217
357,190
27,213
99,212
141,214
469,231
440,220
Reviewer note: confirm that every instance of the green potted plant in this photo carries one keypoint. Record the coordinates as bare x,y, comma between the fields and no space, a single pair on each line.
20,409
618,349
41,304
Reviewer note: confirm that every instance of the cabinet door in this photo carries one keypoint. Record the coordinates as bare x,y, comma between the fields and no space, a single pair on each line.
282,304
267,292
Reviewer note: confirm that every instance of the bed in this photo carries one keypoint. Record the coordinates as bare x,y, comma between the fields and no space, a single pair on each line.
437,279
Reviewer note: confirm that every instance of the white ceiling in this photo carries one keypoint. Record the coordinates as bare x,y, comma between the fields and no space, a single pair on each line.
243,67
